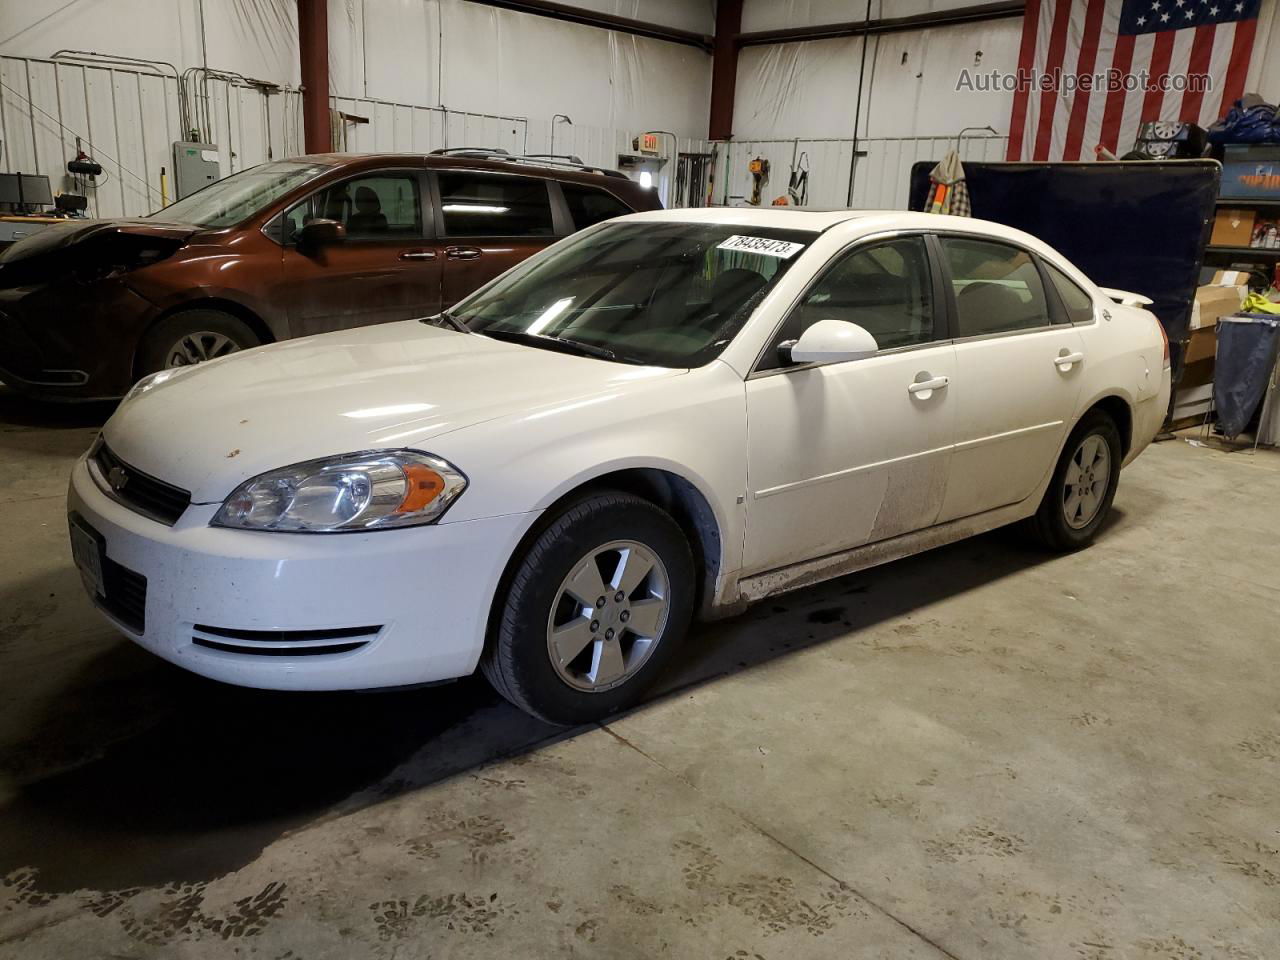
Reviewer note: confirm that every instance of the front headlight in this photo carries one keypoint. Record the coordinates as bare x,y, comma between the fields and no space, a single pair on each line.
151,381
354,492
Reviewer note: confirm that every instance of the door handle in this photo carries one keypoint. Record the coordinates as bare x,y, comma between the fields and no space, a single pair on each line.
923,389
1066,361
418,255
462,253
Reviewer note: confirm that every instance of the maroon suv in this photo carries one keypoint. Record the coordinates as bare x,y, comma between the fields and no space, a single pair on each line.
285,249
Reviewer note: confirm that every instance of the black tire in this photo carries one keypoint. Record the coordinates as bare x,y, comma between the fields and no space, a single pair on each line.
159,343
517,661
1050,523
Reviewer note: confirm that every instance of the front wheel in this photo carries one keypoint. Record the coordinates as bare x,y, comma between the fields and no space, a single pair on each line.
192,336
595,610
1084,483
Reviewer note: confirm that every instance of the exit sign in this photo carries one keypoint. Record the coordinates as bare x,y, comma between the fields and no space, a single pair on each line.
649,143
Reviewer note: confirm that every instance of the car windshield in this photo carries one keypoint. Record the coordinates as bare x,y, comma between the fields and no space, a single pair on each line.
241,195
656,292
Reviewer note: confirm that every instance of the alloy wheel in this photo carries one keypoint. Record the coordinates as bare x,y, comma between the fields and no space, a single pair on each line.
198,347
1085,483
608,616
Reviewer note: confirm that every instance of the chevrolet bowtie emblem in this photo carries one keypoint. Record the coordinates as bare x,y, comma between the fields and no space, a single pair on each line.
117,478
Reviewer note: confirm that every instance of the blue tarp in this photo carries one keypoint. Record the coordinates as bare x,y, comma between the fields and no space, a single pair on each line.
1250,120
1247,349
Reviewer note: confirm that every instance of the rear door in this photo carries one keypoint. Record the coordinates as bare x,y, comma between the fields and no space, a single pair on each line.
386,269
1018,371
487,222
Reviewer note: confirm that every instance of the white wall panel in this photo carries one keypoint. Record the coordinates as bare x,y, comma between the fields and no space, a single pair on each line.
127,120
810,89
782,14
881,177
257,38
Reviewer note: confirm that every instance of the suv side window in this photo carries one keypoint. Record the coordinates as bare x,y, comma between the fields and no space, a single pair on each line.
998,287
487,205
384,206
590,205
1078,303
886,288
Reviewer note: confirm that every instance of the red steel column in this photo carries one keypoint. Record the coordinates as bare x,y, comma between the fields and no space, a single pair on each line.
313,55
724,68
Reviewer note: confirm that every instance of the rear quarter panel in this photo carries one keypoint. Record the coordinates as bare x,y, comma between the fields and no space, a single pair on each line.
1124,358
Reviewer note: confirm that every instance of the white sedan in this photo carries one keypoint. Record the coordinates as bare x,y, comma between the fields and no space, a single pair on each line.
668,416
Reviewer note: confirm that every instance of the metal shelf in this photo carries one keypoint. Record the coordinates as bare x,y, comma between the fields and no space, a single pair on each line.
1246,252
1224,202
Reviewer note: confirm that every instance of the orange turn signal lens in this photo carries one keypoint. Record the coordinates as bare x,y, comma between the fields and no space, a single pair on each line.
423,484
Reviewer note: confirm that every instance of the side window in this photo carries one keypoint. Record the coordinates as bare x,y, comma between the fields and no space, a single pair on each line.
381,207
589,205
997,287
1078,303
886,289
484,205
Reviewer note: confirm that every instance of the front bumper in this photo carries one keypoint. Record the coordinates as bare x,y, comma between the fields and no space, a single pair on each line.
244,607
64,341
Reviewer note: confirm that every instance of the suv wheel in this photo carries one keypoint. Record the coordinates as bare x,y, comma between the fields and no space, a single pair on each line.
192,336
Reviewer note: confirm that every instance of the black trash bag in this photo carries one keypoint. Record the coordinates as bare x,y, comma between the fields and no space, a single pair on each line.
1247,349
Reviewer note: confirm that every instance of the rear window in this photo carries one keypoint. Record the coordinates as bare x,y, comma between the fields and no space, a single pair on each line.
1078,303
589,205
487,205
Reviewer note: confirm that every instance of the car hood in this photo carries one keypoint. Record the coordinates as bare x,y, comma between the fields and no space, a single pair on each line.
208,428
62,235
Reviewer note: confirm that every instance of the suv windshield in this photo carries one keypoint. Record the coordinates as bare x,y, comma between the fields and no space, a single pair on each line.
241,195
660,293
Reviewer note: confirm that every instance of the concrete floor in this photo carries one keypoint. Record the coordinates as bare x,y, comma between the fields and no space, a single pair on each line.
980,752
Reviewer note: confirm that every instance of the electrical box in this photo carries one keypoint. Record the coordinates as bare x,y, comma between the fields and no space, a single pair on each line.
195,165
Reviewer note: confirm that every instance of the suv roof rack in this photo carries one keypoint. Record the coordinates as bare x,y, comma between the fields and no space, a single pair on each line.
568,157
470,152
566,161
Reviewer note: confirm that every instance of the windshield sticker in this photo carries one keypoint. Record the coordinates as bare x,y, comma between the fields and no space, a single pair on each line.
783,249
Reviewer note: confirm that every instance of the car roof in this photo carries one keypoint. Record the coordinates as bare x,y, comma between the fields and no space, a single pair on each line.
471,159
819,220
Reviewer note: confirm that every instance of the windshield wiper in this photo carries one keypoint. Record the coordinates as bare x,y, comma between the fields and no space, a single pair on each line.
449,319
557,343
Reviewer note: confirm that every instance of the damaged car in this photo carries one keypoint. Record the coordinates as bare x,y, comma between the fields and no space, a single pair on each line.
667,416
284,249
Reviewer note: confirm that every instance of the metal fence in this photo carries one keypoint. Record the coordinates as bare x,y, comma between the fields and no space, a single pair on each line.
127,118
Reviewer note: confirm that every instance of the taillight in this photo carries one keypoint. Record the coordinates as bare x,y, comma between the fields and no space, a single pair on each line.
1164,337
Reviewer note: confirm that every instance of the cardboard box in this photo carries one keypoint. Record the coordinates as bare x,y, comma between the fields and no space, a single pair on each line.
1215,302
1196,374
1232,228
1231,278
1203,345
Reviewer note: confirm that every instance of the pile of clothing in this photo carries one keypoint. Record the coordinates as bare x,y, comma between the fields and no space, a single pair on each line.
1250,120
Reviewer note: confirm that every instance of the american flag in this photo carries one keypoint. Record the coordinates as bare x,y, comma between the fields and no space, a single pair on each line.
1165,38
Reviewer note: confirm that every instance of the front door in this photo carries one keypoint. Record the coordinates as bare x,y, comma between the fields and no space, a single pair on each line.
489,222
850,453
1017,376
386,269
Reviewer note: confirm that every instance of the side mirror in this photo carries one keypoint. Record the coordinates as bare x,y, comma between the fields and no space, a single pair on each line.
318,233
830,341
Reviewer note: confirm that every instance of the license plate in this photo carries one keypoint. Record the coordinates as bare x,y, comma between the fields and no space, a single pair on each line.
88,557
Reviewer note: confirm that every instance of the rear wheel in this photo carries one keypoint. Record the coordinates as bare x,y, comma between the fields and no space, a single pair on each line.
1083,486
192,336
595,610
